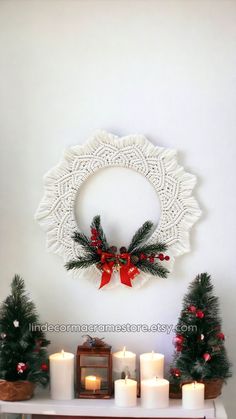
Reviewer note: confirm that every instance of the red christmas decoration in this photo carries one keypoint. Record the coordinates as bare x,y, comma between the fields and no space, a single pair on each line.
192,309
151,259
44,367
178,342
127,269
220,336
175,372
206,357
178,339
21,367
200,314
161,256
167,257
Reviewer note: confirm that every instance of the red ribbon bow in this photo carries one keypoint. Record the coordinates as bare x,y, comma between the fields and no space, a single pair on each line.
128,270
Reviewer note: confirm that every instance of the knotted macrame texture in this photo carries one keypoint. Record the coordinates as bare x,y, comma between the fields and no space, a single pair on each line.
179,209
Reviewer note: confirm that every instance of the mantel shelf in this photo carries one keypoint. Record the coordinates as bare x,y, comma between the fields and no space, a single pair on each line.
41,404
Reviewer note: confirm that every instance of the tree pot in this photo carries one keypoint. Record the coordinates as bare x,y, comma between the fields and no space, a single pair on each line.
16,390
213,389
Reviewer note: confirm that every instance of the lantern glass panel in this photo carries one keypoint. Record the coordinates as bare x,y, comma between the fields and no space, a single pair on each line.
93,360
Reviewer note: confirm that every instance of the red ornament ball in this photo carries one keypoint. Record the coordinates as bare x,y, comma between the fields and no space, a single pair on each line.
44,367
176,372
21,367
142,256
220,336
206,357
151,259
192,309
200,314
167,257
161,256
178,339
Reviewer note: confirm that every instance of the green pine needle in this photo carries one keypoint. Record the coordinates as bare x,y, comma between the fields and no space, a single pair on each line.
83,240
150,248
140,236
152,268
82,263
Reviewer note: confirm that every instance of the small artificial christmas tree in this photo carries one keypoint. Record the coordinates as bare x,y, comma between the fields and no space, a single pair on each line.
22,350
199,343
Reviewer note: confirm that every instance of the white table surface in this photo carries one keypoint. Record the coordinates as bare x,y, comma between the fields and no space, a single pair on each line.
41,404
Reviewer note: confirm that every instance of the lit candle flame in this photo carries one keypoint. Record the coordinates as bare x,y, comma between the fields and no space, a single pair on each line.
124,349
152,354
126,378
62,353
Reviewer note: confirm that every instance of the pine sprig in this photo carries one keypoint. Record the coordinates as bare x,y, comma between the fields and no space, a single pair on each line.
140,236
83,240
96,224
82,263
140,252
152,268
150,248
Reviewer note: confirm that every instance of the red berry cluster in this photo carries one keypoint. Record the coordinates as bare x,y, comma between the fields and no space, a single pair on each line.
95,241
152,257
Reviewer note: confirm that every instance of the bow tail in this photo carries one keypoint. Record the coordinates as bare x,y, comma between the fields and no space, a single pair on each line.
107,269
127,273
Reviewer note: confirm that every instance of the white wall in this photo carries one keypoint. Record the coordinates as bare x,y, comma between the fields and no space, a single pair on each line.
165,69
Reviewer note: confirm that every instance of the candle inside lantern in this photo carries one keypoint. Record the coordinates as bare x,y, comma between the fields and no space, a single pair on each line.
125,392
62,375
124,364
151,365
193,395
155,393
92,382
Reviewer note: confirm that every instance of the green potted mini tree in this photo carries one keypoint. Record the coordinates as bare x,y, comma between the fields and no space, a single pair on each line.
200,353
23,354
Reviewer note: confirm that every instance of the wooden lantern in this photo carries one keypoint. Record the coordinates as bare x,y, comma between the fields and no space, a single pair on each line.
94,369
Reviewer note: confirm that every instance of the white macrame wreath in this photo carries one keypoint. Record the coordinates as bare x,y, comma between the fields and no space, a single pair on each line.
179,209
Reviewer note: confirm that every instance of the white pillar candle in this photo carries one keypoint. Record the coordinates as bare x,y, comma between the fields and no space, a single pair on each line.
125,393
92,382
62,376
193,395
151,365
124,364
155,393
